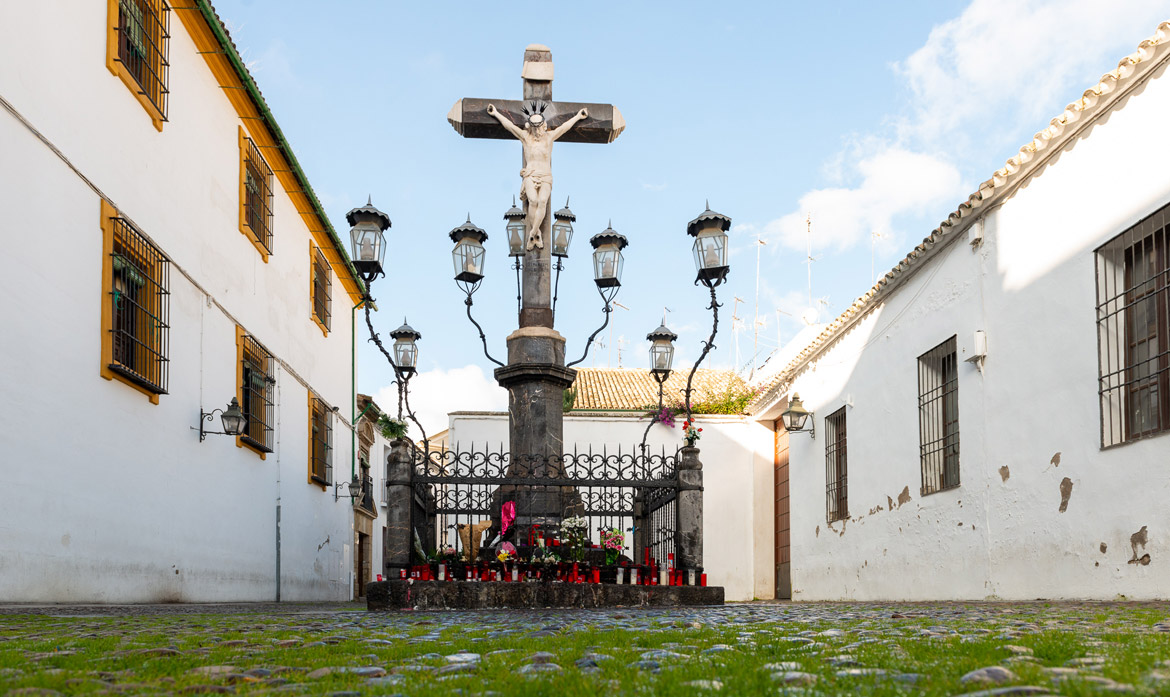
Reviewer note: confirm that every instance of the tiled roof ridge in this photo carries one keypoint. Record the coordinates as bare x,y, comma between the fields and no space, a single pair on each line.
1094,102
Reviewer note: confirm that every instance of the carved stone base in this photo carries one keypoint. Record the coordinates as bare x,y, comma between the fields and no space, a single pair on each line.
465,595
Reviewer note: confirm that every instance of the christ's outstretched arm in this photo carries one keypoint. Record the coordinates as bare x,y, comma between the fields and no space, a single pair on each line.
505,122
564,127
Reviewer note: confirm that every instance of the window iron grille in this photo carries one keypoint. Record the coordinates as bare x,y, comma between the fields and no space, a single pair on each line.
938,417
322,289
321,447
143,41
257,195
140,309
256,391
1133,331
836,467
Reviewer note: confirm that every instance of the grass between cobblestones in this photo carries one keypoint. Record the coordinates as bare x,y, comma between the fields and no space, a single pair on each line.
809,649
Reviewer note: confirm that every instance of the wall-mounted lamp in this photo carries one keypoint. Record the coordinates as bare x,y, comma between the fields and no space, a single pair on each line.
355,489
795,417
232,419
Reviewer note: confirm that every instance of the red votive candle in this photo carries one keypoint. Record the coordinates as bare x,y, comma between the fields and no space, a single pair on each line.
703,580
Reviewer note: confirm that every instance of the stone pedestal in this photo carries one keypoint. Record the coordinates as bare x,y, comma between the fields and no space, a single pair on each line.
399,467
465,595
689,535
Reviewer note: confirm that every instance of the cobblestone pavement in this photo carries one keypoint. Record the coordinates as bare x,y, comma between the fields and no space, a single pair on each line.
977,649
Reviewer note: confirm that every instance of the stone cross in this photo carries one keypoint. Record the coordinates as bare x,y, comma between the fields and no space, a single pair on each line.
587,123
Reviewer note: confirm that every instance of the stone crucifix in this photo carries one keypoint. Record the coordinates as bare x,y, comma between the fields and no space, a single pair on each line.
541,122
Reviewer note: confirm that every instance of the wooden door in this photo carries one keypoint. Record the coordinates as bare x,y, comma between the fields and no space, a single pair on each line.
782,524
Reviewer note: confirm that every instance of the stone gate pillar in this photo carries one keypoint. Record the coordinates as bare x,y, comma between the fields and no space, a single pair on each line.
399,471
689,534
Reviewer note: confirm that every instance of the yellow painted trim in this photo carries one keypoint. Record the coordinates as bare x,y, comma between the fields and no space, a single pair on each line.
226,76
245,228
313,289
116,67
107,350
240,442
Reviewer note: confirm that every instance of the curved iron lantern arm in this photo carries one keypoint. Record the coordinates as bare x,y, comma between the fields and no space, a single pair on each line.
482,338
405,394
661,378
608,310
707,346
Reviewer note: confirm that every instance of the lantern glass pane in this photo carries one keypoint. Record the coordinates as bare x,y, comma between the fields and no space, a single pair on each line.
368,242
516,238
607,265
468,257
562,233
405,353
710,249
661,355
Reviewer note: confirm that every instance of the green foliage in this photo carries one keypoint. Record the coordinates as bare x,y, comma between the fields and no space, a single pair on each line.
733,400
568,399
391,429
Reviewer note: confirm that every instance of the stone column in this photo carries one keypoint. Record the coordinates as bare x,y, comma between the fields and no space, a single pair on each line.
689,534
399,469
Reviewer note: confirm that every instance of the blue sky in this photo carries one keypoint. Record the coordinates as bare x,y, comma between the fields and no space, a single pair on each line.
875,119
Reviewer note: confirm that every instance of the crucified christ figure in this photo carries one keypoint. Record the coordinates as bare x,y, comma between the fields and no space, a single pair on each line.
536,176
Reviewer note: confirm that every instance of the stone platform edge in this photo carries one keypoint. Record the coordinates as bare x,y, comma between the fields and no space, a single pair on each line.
471,595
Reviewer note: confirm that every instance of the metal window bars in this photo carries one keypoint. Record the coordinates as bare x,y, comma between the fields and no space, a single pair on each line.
140,309
143,43
321,447
836,467
453,490
322,289
256,391
1133,331
258,195
938,417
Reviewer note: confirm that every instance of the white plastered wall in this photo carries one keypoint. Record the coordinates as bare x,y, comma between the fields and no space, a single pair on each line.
110,498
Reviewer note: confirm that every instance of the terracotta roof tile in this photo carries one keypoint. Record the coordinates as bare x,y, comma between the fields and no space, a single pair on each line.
629,389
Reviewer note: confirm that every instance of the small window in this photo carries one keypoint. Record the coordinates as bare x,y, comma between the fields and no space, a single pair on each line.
1133,331
322,289
255,196
320,442
256,371
136,51
938,417
836,466
136,312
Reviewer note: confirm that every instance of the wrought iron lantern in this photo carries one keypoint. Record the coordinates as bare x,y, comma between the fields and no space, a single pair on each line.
468,253
515,228
405,350
607,257
661,350
795,416
232,419
368,240
354,487
710,249
562,231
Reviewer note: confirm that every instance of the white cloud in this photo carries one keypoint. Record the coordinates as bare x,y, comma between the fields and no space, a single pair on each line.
894,181
1018,57
435,393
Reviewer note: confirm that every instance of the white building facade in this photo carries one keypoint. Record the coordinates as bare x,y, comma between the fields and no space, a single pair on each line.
991,419
166,255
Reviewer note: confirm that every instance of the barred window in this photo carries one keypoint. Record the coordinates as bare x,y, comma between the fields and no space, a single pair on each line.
836,466
322,289
136,51
255,196
139,308
1133,331
256,381
320,441
938,417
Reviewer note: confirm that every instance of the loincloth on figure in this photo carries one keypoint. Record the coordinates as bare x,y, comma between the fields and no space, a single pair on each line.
539,179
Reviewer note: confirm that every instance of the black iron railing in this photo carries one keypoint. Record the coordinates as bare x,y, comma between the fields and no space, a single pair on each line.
143,39
366,500
938,417
139,309
458,492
